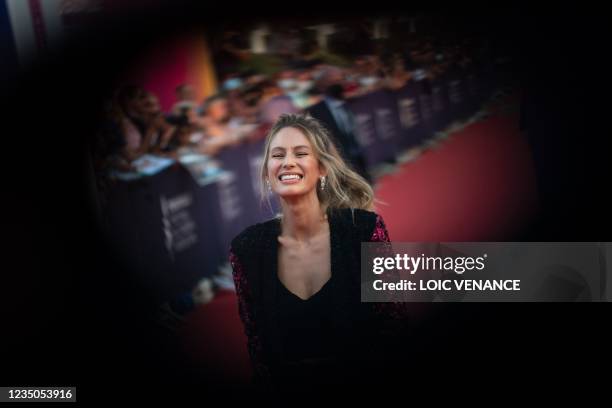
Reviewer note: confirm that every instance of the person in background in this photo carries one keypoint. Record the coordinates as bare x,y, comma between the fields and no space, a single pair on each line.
185,100
333,113
396,77
133,125
158,130
363,78
374,73
232,87
242,93
220,128
275,100
131,100
109,143
248,108
300,93
185,136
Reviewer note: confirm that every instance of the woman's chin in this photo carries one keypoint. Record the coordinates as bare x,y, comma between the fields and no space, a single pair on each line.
292,191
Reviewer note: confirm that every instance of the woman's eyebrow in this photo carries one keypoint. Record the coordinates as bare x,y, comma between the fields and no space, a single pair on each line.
294,148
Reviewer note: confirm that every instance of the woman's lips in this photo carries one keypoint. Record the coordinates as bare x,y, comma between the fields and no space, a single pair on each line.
290,178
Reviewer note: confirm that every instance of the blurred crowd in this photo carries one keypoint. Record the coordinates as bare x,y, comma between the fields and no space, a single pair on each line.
252,94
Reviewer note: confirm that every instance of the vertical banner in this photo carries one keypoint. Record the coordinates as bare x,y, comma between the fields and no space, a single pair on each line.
164,231
187,224
473,91
365,128
457,95
370,111
234,193
387,119
210,224
426,109
412,125
440,103
488,80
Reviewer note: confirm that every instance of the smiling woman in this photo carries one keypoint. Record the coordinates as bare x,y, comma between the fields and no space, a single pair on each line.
297,276
297,143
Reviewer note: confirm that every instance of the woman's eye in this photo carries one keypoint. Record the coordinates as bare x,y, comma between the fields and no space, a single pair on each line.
301,154
277,156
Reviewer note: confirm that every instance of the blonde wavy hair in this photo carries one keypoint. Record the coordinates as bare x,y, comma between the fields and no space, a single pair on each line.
344,188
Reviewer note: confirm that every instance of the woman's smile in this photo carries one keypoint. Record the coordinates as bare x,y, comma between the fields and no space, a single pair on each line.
290,178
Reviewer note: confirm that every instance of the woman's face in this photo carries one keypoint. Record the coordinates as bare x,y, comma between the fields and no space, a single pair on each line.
293,168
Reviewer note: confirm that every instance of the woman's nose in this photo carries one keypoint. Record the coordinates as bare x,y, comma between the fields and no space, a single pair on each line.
288,162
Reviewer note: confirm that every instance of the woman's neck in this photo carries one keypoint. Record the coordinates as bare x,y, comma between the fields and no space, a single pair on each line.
303,217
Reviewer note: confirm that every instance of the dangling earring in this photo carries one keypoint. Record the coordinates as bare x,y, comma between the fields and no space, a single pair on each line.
269,186
323,179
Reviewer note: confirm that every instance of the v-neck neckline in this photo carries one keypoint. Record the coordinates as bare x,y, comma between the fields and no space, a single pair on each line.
311,297
332,255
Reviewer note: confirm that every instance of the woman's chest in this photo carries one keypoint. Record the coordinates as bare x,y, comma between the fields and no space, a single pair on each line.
304,269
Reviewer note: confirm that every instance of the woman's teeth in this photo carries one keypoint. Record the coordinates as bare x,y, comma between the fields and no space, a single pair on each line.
290,177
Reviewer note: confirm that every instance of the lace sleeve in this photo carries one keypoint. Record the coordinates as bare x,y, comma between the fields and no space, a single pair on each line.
380,233
245,309
387,310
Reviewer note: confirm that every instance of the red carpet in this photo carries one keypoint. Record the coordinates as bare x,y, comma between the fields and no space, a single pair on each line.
478,185
213,335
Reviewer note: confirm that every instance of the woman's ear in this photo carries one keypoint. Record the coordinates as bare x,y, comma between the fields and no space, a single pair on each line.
322,170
